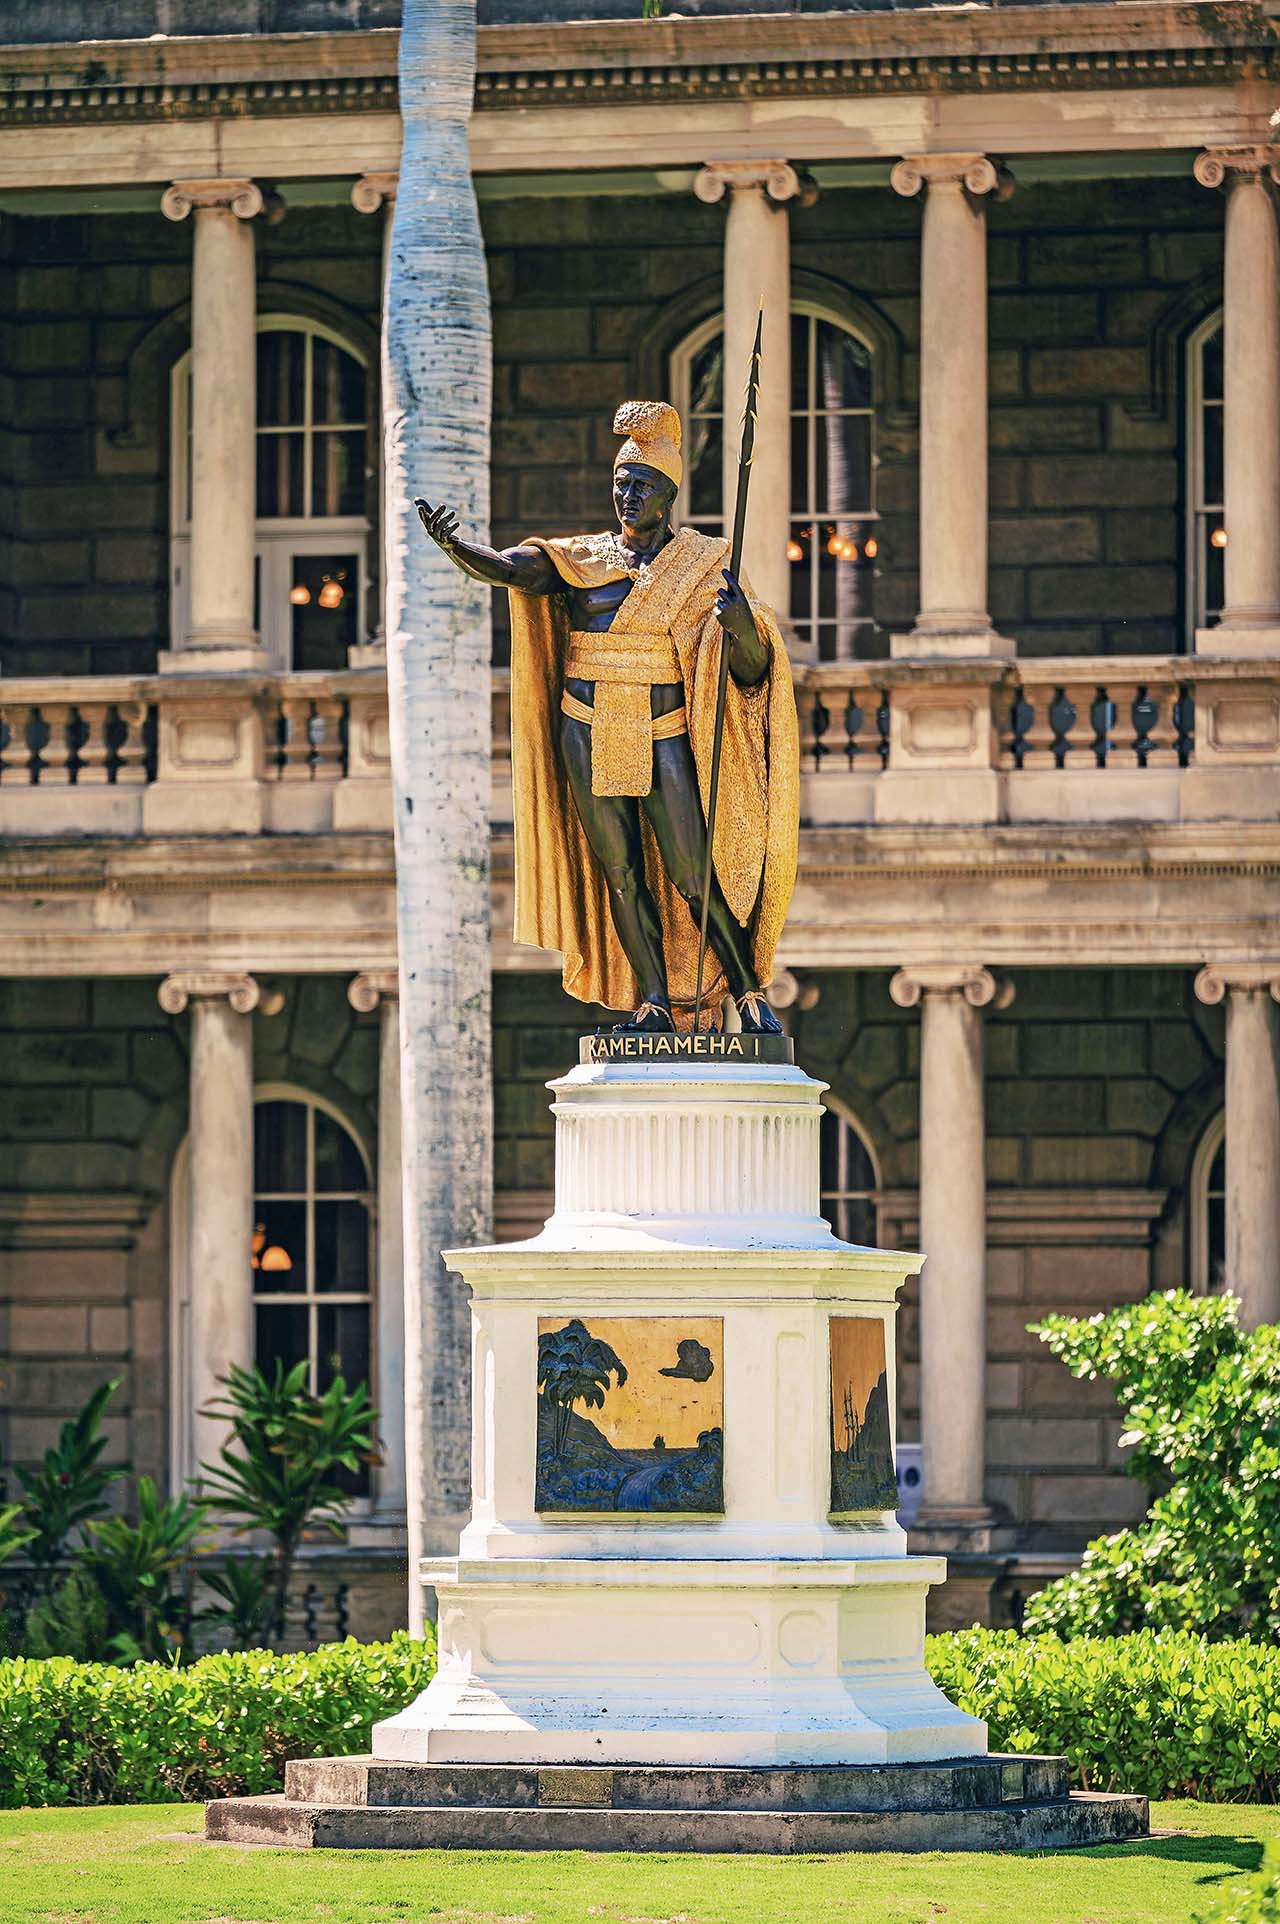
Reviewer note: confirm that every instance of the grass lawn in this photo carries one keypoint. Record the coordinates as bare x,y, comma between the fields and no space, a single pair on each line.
149,1865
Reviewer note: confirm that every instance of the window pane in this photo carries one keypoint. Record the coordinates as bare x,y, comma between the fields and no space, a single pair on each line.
342,1337
800,431
280,1248
1211,365
800,361
844,369
1215,586
281,1335
337,473
281,374
279,476
1211,480
337,384
342,1248
706,378
1218,1172
704,467
1217,1226
324,623
801,572
843,463
280,1148
338,1161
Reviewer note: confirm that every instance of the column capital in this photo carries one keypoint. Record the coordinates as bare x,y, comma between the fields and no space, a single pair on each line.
979,987
1217,166
244,198
372,986
372,191
244,992
779,179
1249,978
976,173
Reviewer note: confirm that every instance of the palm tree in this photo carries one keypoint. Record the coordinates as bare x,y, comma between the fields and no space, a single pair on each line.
574,1367
436,407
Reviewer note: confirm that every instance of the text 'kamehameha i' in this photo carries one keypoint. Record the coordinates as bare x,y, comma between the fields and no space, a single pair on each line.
705,1046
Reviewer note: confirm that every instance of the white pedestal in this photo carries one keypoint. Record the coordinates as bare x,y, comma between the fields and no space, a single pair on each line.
777,1630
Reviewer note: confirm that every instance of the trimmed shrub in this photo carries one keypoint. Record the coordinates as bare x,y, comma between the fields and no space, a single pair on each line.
1256,1901
1169,1714
73,1733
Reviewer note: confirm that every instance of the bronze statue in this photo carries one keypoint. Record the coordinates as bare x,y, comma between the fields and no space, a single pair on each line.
621,634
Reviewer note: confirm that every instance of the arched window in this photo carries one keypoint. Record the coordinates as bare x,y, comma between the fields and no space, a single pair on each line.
311,546
1208,1198
832,521
850,1179
311,1265
1206,534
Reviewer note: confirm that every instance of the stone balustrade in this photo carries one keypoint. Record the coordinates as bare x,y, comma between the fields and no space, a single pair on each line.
1159,738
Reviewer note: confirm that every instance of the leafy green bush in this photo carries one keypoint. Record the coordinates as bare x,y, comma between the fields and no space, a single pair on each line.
1202,1402
1256,1901
75,1733
1169,1714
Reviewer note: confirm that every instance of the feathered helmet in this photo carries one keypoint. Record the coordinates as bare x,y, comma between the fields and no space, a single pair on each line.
652,429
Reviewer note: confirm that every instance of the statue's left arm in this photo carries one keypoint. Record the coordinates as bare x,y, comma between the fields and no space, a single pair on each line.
748,650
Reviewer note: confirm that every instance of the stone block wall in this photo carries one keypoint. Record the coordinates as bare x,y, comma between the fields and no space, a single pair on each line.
1089,282
93,1106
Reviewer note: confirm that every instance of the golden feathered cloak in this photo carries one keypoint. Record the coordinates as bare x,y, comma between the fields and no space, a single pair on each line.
561,901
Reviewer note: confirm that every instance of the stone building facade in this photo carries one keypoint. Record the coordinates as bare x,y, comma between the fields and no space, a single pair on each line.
1029,547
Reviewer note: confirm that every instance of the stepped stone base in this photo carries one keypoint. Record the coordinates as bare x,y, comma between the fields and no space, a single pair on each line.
977,1804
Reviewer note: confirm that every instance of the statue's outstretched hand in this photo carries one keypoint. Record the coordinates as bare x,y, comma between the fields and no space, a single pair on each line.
441,524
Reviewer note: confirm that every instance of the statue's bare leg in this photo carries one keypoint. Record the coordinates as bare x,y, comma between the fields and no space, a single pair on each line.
674,809
612,826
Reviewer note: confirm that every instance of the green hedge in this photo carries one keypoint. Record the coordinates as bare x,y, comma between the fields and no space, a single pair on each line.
1167,1713
1256,1901
90,1733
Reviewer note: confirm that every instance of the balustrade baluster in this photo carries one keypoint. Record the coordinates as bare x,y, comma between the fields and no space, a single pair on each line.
1163,730
853,720
1039,735
296,750
131,747
820,721
328,742
17,763
1184,723
883,726
94,753
55,752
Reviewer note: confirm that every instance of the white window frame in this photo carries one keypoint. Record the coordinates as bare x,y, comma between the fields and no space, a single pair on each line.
277,539
681,367
849,1122
1200,1195
183,1465
1201,516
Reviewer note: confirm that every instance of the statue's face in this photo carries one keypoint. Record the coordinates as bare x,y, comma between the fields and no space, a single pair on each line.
642,501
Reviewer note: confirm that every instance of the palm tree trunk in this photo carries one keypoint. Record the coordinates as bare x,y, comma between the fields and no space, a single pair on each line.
436,407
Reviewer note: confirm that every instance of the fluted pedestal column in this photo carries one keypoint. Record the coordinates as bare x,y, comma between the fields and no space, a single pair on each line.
1251,991
757,271
224,357
953,618
1250,623
220,1330
380,989
953,1232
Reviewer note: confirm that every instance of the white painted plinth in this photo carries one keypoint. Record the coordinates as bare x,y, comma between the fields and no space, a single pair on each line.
772,1634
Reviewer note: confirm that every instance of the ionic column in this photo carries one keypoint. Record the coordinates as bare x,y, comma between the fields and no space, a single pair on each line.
376,194
1251,991
224,356
1250,623
953,1235
220,1208
757,270
380,990
953,618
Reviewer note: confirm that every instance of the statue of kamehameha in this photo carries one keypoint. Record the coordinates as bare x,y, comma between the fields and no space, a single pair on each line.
616,644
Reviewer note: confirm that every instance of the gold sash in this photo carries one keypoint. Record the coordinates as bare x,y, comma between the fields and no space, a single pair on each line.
665,727
624,663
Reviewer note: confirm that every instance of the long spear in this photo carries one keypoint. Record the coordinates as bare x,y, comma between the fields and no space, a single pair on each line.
735,563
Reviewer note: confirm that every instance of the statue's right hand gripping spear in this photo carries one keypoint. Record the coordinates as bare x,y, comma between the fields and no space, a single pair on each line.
735,562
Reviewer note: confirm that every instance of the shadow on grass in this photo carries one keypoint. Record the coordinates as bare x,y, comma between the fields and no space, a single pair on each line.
1230,1853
